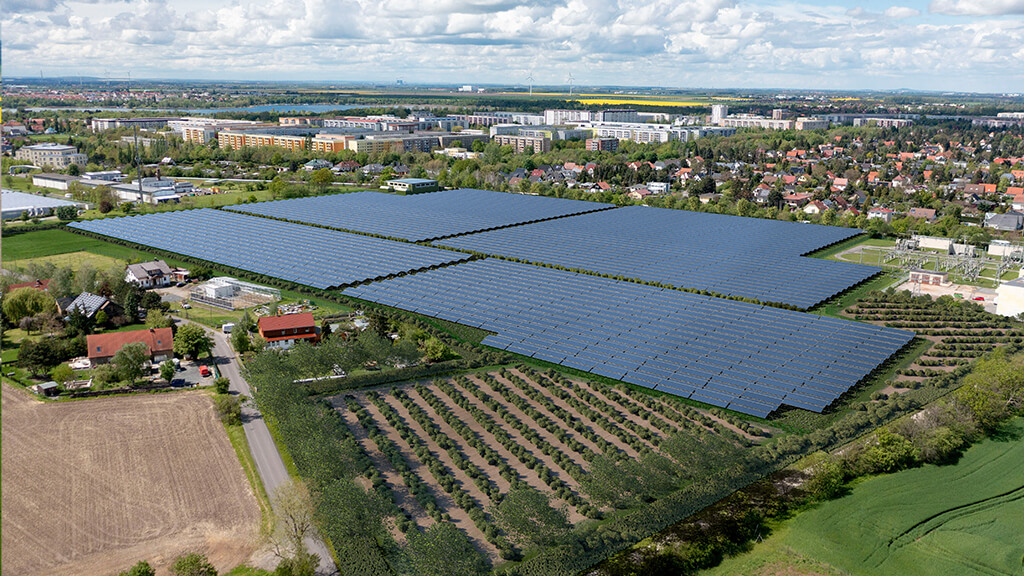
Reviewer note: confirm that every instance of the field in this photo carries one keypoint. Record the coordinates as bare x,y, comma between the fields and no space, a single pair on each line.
959,519
453,449
93,487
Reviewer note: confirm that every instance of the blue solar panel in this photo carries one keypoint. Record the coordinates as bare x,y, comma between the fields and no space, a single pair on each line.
693,348
420,216
727,255
303,254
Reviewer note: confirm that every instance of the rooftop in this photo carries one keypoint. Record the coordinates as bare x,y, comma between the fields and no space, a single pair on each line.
287,321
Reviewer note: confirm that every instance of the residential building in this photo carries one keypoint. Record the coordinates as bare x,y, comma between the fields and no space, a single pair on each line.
99,124
159,343
41,285
927,214
51,154
154,274
524,143
1008,222
89,304
718,113
617,116
884,214
284,331
603,144
568,116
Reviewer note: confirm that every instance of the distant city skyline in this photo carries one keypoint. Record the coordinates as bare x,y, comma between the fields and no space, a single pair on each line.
945,45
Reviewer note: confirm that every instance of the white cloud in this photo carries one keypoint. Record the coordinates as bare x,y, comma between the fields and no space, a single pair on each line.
977,7
640,42
898,12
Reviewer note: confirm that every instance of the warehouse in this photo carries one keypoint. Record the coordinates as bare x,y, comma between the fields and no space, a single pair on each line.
17,203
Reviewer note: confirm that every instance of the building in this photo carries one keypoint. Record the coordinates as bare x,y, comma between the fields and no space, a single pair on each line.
17,204
568,116
154,274
51,154
284,331
603,144
523,143
154,190
1009,222
89,304
883,214
929,277
53,181
718,113
106,175
927,214
412,185
617,116
159,344
100,124
1010,298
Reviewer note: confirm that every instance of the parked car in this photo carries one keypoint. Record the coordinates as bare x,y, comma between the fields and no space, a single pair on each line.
980,298
204,371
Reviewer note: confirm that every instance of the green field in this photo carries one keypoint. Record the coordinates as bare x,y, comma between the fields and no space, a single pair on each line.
960,519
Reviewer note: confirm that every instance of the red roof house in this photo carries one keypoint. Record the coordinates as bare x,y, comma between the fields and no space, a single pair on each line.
284,331
159,344
42,285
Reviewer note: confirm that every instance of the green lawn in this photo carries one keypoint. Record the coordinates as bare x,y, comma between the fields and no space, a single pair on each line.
959,519
47,243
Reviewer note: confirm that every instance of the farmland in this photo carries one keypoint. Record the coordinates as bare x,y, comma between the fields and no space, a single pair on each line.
92,487
965,518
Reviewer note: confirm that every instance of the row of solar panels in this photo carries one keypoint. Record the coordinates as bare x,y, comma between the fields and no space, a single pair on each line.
732,256
749,358
421,216
303,254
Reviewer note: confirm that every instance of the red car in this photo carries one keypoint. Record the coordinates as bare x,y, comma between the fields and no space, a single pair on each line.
979,298
204,371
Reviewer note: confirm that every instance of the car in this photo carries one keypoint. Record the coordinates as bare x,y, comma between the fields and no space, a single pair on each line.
186,306
179,285
980,298
204,371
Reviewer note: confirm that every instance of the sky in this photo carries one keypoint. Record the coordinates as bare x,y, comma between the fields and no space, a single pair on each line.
944,45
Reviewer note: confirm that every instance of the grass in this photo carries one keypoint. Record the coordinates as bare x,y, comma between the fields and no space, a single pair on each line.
47,243
76,260
244,570
772,557
835,305
958,519
241,445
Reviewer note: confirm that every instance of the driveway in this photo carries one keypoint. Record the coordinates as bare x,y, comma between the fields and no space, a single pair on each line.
261,444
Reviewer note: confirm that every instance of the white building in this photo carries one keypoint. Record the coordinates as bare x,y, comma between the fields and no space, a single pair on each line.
567,116
17,203
51,154
1010,298
718,113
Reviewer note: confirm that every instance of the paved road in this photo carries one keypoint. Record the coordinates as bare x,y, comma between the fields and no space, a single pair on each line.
261,443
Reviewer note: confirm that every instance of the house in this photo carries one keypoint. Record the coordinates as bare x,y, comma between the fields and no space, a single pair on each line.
638,193
159,344
815,207
42,285
154,274
317,164
1011,221
980,189
89,304
346,166
284,331
797,200
884,214
928,214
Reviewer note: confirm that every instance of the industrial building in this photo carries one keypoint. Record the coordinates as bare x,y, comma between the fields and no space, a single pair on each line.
412,185
1010,298
16,204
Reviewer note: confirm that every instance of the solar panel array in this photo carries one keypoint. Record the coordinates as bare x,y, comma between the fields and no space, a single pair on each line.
420,217
303,254
727,255
731,354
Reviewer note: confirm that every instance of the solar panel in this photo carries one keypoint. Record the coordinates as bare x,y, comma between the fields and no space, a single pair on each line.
693,348
304,254
726,255
420,216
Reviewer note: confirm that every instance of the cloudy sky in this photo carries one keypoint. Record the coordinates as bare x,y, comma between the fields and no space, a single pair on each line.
963,45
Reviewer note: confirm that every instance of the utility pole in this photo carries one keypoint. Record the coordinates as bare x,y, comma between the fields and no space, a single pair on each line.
138,160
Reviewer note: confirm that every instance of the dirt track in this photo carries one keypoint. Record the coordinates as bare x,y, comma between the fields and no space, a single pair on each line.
91,487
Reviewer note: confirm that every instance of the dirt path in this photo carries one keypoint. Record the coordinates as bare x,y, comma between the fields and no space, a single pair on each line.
403,499
606,435
575,457
617,408
468,451
518,438
459,517
525,474
551,416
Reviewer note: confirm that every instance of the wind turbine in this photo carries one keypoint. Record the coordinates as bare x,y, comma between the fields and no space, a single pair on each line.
571,80
529,78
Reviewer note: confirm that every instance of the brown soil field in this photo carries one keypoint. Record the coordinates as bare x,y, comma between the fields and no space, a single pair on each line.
92,487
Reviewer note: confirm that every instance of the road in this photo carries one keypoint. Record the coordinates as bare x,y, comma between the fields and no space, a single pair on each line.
261,444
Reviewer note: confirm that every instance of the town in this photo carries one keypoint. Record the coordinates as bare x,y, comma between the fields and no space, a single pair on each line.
475,330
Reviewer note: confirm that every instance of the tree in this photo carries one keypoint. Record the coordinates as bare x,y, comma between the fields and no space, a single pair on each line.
150,300
25,302
129,360
240,339
192,564
191,341
443,550
62,373
229,408
141,569
436,350
891,453
322,179
221,385
38,356
78,323
528,518
293,523
66,213
167,370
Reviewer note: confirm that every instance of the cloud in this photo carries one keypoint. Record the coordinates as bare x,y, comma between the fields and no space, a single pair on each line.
977,7
898,12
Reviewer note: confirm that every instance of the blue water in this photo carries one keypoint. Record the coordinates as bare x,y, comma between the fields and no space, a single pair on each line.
264,108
